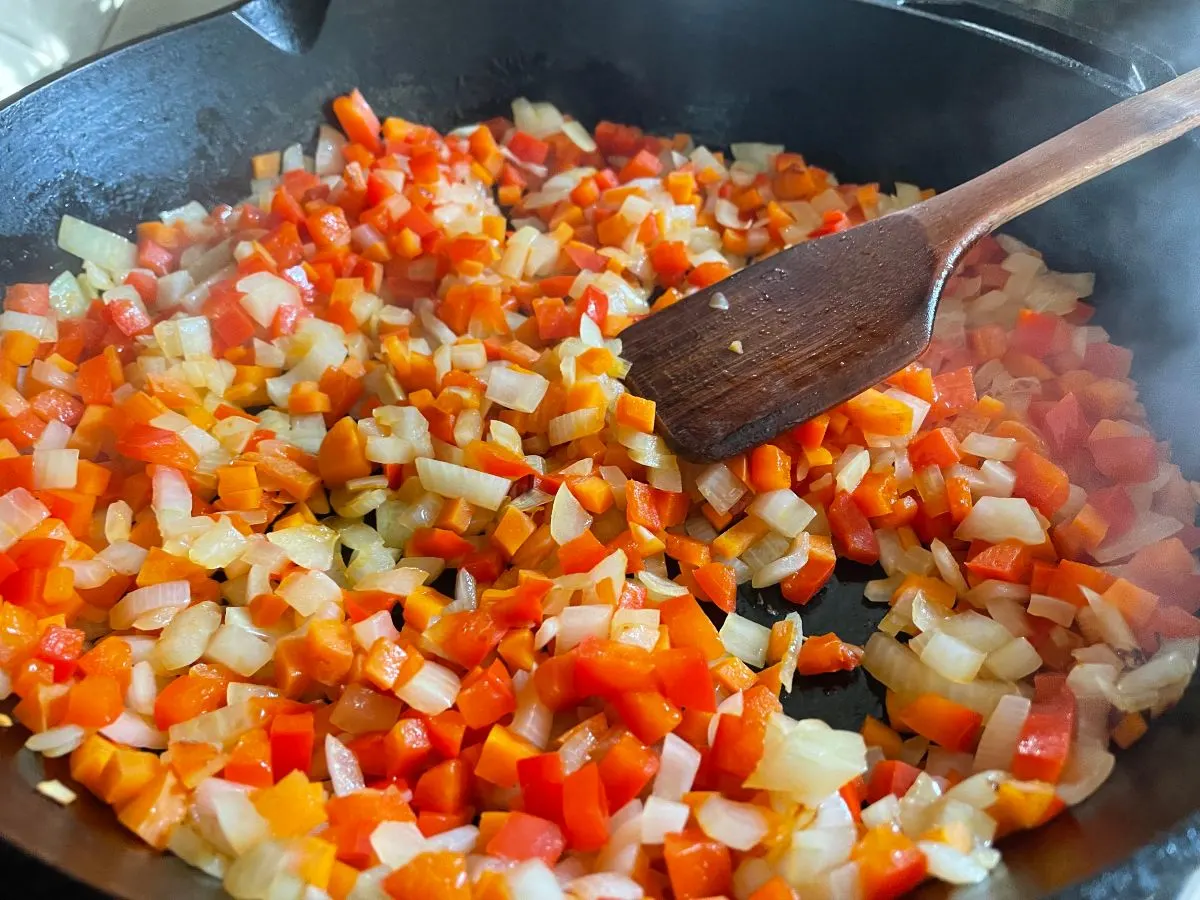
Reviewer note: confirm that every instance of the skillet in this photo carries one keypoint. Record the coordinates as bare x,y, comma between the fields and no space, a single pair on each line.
927,92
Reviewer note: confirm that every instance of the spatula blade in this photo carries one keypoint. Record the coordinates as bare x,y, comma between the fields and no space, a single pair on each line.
818,323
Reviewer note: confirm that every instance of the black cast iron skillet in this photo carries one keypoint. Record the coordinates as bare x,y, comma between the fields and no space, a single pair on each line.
928,92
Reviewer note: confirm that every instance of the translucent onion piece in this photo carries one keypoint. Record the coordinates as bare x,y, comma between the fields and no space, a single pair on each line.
996,519
807,760
745,639
998,742
432,690
568,520
184,640
345,774
677,771
737,825
774,572
451,480
137,603
56,741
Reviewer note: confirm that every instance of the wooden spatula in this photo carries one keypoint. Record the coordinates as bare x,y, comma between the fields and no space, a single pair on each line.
824,320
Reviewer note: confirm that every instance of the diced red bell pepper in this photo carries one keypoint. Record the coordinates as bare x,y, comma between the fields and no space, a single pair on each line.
1045,740
541,778
585,808
523,836
852,531
292,737
61,648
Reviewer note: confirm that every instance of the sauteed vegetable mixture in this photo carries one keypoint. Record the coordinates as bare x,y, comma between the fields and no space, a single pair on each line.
340,563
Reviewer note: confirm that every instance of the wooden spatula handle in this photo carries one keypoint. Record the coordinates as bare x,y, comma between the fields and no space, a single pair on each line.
1118,134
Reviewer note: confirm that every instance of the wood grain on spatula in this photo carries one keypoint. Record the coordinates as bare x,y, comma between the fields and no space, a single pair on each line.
824,320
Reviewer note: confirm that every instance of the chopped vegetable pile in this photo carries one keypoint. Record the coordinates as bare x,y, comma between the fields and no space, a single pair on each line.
341,565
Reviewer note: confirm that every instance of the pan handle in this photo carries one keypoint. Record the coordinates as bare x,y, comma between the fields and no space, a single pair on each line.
1118,66
291,25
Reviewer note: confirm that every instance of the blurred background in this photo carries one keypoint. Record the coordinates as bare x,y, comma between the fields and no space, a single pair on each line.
38,37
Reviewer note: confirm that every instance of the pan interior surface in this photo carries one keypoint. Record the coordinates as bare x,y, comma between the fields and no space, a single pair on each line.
868,92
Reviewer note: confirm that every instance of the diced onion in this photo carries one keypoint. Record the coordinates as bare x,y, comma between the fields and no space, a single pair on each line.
952,658
774,572
745,639
345,774
737,825
1058,611
96,245
784,511
720,487
661,817
239,650
677,770
451,480
522,391
1014,660
997,519
184,640
998,742
568,519
55,741
137,603
432,690
807,760
134,731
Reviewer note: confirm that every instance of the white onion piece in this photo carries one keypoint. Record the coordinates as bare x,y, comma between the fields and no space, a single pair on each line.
660,588
1058,611
952,658
134,731
240,825
996,519
187,635
345,774
55,741
401,582
457,840
677,771
605,886
575,623
137,603
96,245
998,742
1113,627
745,639
376,626
124,557
397,843
990,447
977,630
450,480
790,564
720,487
432,690
1087,768
807,760
948,567
1014,661
533,880
239,650
522,391
568,519
20,513
951,865
737,825
661,817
